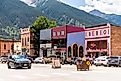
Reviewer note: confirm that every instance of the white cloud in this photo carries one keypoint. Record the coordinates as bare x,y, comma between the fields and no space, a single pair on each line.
107,6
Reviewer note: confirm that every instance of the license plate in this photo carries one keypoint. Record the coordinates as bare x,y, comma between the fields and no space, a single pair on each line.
25,64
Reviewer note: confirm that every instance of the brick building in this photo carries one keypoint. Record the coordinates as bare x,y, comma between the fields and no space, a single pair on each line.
26,45
60,38
6,46
103,39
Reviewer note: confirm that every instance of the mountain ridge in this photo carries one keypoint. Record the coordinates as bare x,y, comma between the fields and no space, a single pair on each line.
112,17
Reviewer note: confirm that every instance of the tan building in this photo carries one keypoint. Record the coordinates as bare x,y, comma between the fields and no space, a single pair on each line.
103,39
26,37
17,46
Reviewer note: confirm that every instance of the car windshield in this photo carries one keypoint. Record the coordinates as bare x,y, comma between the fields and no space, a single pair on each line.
113,57
19,56
101,57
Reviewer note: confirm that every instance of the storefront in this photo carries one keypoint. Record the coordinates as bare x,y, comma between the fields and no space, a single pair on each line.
76,44
97,41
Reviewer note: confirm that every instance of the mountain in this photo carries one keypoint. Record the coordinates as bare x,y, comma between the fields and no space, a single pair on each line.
65,14
111,17
15,14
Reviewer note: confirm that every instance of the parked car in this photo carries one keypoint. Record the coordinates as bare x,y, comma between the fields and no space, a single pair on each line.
39,60
101,60
15,61
114,61
3,59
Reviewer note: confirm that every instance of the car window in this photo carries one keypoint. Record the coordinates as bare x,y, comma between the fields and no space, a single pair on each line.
113,57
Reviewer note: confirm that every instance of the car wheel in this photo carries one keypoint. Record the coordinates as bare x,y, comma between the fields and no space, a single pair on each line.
9,66
29,67
108,65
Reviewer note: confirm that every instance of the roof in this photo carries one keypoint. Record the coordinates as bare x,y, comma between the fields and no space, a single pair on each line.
103,24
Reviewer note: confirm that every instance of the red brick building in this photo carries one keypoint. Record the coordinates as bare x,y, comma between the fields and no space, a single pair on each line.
6,46
59,37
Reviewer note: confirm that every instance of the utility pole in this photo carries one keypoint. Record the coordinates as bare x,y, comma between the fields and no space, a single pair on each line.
12,47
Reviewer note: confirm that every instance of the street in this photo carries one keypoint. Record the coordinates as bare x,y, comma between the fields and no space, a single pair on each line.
42,72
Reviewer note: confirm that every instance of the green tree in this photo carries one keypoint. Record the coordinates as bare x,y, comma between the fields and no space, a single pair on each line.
53,24
40,23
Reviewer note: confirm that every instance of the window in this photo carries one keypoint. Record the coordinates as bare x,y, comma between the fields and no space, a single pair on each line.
54,33
100,32
25,41
92,33
104,32
96,32
89,33
58,33
22,41
4,46
62,32
28,39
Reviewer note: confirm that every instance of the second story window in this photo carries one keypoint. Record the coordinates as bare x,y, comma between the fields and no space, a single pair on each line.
54,33
96,32
22,41
28,39
62,32
25,41
92,33
89,33
58,33
4,46
100,32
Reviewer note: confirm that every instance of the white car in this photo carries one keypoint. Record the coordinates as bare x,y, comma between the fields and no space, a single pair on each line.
101,60
39,60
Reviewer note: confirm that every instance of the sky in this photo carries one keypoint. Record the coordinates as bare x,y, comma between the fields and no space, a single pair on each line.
106,6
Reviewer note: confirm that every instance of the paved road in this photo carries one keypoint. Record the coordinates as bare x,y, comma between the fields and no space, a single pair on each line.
41,72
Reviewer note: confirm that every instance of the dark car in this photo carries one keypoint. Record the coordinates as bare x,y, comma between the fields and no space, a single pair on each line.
114,61
3,59
15,61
